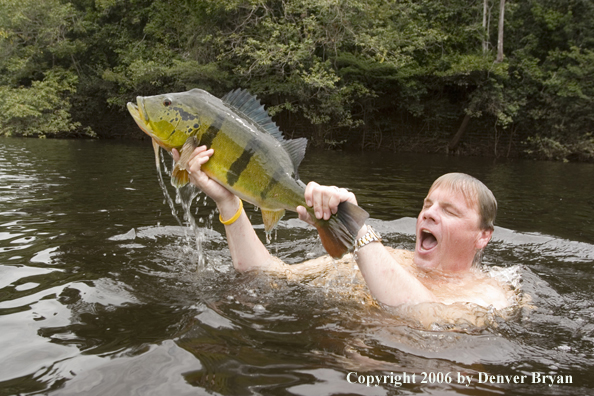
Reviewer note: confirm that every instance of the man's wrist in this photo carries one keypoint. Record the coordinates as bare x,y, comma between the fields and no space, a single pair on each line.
362,231
229,207
368,236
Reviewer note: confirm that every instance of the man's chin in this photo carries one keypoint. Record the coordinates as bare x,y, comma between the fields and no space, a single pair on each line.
425,259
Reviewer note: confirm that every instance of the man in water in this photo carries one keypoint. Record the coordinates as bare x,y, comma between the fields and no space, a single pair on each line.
453,227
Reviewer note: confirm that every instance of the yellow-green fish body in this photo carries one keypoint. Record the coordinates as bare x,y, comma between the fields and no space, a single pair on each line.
251,158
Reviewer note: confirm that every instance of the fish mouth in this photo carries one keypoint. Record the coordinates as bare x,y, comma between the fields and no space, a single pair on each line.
427,241
138,112
140,115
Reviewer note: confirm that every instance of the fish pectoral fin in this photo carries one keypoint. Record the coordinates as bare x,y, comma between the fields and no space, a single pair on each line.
271,218
179,177
186,151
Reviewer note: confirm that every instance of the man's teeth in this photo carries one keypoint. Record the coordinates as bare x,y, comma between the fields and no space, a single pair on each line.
428,240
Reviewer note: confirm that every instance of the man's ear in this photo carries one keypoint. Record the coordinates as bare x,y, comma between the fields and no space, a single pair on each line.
484,238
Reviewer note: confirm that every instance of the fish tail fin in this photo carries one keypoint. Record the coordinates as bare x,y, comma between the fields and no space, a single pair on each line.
338,234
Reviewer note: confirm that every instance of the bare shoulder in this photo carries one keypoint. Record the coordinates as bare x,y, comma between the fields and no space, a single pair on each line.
492,293
479,289
462,302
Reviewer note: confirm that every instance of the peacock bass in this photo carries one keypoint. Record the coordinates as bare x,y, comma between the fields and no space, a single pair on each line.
251,158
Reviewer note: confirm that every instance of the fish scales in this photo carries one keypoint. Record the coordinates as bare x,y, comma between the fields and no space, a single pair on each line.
251,157
249,164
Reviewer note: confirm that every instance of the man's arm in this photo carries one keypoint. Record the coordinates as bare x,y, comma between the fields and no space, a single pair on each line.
247,251
386,278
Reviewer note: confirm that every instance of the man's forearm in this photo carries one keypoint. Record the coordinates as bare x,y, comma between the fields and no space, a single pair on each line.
247,251
386,279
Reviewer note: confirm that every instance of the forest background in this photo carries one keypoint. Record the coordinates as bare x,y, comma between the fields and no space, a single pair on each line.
402,75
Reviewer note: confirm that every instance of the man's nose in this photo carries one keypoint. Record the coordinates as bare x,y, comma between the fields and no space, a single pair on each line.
431,213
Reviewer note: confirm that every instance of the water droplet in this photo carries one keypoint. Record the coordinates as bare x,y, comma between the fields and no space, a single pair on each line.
258,308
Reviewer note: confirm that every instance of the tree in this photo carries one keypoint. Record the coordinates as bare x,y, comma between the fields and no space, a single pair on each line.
486,23
37,75
500,31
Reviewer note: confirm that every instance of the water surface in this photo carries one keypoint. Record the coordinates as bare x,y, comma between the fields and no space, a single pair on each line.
102,292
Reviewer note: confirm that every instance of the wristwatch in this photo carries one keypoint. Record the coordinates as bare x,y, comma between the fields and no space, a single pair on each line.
370,236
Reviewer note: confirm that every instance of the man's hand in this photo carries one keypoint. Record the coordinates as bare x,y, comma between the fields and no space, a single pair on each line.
214,190
324,200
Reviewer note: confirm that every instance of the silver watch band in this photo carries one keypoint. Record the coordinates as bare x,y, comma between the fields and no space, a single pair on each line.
370,236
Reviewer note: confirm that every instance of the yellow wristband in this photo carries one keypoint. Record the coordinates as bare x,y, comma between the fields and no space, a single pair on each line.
235,216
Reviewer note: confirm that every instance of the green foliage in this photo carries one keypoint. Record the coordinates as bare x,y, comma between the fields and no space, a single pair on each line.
342,70
33,36
547,148
41,109
552,71
34,87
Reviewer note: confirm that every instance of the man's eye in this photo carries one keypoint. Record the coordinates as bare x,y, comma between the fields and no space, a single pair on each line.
451,212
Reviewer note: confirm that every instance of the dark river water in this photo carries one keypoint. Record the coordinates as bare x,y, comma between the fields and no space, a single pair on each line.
102,292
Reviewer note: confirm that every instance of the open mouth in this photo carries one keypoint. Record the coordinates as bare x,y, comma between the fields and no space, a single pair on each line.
428,240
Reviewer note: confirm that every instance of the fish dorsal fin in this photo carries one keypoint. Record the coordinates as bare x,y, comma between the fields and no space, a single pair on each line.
249,107
296,150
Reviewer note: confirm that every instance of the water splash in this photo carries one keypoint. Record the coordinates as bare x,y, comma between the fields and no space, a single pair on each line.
184,196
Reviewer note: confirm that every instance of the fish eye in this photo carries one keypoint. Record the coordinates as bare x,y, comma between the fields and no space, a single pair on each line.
166,102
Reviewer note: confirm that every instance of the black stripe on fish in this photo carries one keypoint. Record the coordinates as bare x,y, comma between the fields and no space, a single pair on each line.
241,163
271,183
211,133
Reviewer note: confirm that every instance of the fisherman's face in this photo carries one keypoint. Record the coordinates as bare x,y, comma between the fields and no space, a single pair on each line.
448,232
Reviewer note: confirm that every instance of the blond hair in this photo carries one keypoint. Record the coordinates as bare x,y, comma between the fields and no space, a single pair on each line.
475,193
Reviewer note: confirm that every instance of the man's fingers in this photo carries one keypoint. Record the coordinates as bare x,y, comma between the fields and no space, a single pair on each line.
317,198
311,186
328,194
199,157
325,199
334,200
304,215
201,150
346,195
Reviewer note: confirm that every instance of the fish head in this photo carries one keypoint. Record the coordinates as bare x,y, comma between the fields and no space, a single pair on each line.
169,118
